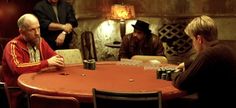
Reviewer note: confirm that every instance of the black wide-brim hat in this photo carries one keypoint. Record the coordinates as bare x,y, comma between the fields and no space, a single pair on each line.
142,26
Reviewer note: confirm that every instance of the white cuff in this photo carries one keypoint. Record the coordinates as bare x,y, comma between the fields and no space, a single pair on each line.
64,33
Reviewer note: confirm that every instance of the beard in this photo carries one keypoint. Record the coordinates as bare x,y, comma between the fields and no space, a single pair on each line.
135,40
34,42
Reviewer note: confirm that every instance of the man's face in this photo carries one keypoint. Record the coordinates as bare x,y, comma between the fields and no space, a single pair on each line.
32,32
196,43
138,35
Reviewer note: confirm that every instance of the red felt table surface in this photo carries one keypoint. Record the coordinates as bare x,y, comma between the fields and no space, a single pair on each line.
107,76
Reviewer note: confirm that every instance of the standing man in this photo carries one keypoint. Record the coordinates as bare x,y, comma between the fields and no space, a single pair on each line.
57,20
26,53
140,42
212,74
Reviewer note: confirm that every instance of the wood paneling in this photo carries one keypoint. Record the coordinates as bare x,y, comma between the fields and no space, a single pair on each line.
10,11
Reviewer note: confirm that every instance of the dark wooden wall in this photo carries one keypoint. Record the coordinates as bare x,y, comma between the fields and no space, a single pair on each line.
159,8
10,11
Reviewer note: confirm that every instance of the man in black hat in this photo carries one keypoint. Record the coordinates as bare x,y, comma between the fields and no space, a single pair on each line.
140,42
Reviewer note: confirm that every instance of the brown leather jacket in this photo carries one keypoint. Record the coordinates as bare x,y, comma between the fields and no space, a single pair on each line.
150,46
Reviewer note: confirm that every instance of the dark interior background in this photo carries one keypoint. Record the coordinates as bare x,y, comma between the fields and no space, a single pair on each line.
87,10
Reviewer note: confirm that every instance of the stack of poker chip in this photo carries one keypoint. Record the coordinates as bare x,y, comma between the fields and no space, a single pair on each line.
90,64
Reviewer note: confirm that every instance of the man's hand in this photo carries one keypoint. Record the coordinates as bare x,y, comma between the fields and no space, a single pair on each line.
57,61
67,27
60,39
180,67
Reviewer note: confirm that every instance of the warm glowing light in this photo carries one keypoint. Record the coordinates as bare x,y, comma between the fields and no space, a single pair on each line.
122,12
107,28
119,11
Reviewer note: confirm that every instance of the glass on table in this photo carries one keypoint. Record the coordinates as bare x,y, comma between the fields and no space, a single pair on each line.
148,66
152,65
130,62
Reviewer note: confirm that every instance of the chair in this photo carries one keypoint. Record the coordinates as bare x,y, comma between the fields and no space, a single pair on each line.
108,99
146,58
5,92
1,52
88,45
71,56
1,76
4,96
46,101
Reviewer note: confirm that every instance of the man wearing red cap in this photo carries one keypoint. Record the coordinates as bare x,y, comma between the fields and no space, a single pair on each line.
140,42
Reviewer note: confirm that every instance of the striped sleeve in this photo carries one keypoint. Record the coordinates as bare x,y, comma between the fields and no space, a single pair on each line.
18,60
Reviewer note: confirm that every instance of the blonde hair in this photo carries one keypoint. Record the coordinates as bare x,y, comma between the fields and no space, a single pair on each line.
204,26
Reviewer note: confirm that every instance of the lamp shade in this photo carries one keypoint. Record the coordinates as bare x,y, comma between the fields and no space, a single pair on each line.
122,12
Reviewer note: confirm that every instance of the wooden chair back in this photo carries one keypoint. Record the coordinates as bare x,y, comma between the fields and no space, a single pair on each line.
110,99
4,96
88,45
46,101
1,52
